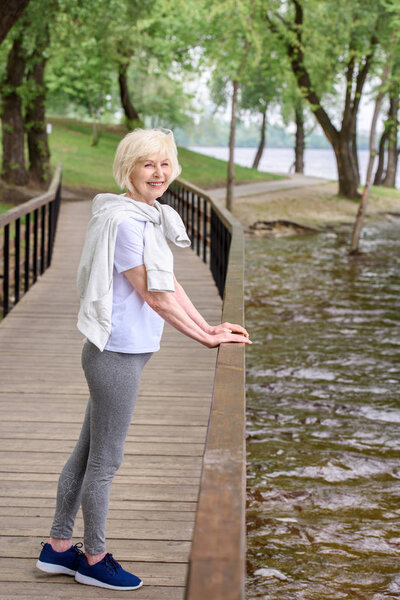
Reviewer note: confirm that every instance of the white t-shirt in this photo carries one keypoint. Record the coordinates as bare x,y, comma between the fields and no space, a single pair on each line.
135,326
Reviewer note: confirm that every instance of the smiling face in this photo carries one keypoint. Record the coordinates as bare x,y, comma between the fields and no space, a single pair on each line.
150,178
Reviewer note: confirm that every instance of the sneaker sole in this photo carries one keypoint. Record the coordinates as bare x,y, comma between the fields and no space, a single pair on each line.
55,569
90,581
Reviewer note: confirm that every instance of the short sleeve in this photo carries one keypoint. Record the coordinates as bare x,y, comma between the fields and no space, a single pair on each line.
129,245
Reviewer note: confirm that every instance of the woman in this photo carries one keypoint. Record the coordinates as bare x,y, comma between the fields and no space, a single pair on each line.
127,289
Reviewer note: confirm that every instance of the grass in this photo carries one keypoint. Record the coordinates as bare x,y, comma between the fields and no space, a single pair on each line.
83,164
208,172
4,207
378,191
88,166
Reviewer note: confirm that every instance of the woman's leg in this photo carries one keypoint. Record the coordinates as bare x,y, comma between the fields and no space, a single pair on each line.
69,489
113,380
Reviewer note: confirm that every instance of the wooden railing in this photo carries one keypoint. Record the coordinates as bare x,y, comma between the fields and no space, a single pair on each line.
217,561
27,247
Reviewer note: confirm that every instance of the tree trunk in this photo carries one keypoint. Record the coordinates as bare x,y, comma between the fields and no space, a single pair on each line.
299,142
38,148
348,179
231,163
381,156
131,115
261,145
354,154
391,170
95,132
355,238
9,14
13,168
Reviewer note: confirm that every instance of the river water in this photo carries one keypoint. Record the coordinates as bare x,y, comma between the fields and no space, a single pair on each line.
317,162
324,416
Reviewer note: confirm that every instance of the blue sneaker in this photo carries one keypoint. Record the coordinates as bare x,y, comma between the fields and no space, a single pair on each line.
107,573
63,563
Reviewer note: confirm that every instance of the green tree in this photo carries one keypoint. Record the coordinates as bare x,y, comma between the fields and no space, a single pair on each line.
333,43
232,45
154,58
391,47
12,121
262,87
372,152
23,96
386,174
83,59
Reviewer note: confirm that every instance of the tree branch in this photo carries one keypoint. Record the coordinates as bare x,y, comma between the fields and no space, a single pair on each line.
361,77
349,85
296,58
9,14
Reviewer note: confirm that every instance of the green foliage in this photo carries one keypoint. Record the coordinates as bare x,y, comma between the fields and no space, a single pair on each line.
95,40
83,55
336,33
157,95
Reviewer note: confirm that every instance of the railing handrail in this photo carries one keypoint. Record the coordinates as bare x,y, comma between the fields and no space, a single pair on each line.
34,203
24,260
224,214
217,559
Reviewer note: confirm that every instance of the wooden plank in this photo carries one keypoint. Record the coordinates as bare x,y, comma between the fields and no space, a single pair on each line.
130,447
135,550
114,514
116,504
119,491
116,528
154,574
124,478
174,416
150,463
70,589
139,432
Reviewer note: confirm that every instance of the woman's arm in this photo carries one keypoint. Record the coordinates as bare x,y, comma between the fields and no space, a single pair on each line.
168,307
187,305
184,301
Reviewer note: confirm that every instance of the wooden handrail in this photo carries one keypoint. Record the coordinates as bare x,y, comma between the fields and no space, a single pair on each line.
226,217
217,560
27,207
23,260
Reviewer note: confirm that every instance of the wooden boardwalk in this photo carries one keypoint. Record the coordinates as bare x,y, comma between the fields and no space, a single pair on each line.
43,396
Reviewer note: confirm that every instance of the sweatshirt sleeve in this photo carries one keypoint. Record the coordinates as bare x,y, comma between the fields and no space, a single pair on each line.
129,245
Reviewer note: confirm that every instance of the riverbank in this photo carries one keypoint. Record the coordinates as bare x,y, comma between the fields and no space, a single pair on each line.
314,206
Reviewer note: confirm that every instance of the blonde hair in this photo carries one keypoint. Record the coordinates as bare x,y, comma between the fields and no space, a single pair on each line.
139,144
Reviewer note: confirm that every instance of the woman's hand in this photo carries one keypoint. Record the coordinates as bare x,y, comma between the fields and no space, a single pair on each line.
227,336
227,327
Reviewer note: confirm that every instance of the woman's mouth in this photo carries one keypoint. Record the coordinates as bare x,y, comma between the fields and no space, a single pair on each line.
156,184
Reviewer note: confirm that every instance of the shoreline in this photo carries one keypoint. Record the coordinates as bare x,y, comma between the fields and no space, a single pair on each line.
315,207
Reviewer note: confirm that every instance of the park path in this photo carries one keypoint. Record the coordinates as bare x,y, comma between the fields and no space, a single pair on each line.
43,395
264,187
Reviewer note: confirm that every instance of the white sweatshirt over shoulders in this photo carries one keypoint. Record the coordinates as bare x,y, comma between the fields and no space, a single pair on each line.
95,271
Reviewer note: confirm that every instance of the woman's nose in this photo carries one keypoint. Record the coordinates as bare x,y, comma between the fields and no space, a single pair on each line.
158,171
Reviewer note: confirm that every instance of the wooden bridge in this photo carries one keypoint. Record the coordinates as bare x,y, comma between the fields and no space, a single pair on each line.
176,514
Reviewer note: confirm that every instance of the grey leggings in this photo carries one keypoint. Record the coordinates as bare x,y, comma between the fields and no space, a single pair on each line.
113,379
